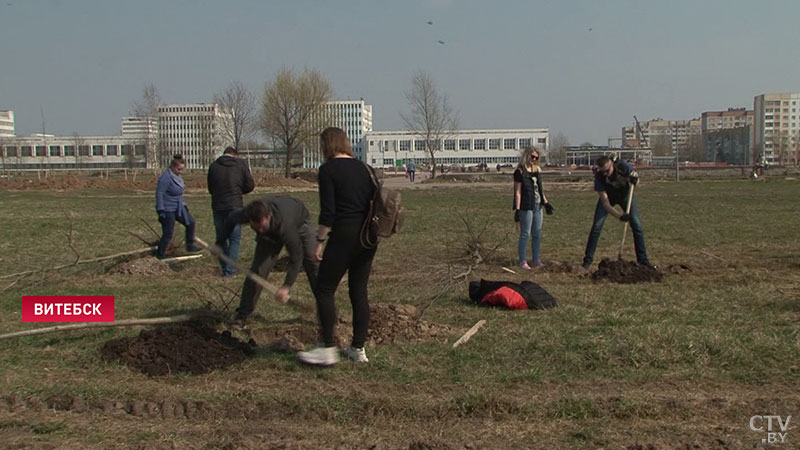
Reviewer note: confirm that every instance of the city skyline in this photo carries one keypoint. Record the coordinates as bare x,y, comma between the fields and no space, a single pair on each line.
582,69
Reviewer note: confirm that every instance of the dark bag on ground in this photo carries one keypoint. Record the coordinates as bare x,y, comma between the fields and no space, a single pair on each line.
385,216
506,293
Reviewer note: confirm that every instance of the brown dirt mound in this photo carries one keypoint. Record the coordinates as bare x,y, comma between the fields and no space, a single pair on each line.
389,323
148,266
556,267
626,272
194,347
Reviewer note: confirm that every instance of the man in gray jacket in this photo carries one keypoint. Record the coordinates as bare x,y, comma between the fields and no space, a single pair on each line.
278,222
228,179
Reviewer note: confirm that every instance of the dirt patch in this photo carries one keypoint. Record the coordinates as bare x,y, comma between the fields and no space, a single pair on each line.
626,272
148,266
194,348
556,267
389,323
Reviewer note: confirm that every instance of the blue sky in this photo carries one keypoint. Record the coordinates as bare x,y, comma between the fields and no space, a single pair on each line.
504,64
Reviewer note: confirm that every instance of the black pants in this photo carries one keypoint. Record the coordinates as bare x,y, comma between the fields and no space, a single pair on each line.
344,253
266,254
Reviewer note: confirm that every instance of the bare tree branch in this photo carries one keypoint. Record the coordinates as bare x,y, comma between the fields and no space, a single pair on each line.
238,102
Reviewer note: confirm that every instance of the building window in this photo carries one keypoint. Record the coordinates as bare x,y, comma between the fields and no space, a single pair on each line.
111,150
525,142
480,144
55,150
542,141
11,151
69,150
41,150
494,144
463,144
139,150
509,144
419,145
449,144
126,150
83,150
405,145
97,150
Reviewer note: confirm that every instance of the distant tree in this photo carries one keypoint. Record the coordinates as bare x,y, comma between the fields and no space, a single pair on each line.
661,145
694,148
293,110
239,113
430,115
558,148
147,105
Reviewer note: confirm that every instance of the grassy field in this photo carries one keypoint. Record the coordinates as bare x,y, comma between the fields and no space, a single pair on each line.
680,364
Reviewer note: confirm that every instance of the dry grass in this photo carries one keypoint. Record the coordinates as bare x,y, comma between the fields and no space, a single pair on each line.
681,363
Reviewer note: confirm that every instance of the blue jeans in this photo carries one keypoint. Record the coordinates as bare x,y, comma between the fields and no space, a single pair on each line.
530,225
167,221
230,244
600,215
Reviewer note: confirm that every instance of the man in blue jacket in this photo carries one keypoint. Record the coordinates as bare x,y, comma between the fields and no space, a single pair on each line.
228,179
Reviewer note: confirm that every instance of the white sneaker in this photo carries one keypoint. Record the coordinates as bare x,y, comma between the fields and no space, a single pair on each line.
320,356
356,354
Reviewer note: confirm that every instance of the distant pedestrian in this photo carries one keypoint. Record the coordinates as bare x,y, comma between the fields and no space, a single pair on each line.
171,207
228,179
345,193
529,199
411,168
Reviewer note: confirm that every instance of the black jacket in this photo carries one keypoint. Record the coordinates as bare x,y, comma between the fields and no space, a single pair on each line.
288,217
228,179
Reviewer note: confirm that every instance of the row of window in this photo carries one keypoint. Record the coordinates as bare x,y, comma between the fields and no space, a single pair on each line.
11,151
465,144
187,109
449,161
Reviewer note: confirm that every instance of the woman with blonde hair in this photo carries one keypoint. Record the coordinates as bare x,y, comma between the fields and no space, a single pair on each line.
345,192
529,199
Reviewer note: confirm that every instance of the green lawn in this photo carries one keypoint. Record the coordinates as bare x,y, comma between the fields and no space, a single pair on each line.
684,362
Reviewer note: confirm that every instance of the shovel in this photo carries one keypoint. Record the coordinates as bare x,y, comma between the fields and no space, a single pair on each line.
625,229
266,285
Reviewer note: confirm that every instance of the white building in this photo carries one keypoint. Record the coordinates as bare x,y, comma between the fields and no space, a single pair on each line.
6,123
193,130
49,152
352,116
664,136
464,147
143,130
776,128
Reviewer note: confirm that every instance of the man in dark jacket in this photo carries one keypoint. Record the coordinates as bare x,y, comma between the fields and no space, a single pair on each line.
277,221
612,182
228,179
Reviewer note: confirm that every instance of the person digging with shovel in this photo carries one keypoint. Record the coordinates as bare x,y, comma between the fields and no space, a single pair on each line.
613,182
277,221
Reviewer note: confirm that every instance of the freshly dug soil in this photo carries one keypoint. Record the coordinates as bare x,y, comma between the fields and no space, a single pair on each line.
390,322
626,272
193,347
148,266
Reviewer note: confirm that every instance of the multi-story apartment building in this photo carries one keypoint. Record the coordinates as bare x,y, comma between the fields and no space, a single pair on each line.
193,130
352,116
663,136
6,123
776,128
726,135
462,147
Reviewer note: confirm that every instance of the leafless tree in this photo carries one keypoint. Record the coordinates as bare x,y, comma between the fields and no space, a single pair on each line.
293,110
239,113
430,115
147,105
78,143
558,148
